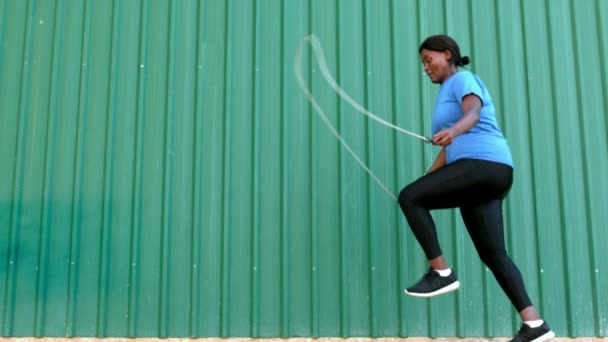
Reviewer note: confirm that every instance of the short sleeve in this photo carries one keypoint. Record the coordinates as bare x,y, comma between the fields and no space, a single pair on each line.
465,84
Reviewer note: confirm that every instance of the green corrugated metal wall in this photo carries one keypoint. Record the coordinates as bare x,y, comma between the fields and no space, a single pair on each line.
162,174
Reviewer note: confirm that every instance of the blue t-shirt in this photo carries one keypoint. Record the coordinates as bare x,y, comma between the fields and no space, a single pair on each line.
485,140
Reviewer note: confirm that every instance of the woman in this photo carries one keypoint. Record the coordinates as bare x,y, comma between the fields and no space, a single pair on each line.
472,172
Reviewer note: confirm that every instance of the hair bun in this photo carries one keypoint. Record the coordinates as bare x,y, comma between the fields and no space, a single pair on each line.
465,60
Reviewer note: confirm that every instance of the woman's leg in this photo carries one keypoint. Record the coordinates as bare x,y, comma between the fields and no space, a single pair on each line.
485,226
484,223
463,182
460,183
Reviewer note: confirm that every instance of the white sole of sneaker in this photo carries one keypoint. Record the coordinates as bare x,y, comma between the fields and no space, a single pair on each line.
452,287
544,337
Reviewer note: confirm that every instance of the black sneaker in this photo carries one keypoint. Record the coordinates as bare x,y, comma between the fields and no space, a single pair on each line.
432,284
529,334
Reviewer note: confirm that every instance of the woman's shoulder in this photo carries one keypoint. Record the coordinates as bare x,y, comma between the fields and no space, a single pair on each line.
466,77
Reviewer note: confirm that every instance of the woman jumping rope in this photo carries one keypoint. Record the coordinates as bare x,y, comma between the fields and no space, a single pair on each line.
472,172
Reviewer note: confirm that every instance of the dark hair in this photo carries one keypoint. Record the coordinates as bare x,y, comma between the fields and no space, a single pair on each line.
441,43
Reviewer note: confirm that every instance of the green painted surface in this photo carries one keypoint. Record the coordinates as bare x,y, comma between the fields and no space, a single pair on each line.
162,174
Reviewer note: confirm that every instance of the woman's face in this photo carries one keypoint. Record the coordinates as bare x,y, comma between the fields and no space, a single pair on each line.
436,64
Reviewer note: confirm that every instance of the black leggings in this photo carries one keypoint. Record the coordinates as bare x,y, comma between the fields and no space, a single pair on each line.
478,188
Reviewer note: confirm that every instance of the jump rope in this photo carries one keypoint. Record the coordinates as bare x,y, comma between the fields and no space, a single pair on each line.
320,55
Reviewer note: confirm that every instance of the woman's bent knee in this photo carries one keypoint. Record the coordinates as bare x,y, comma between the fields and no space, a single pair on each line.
406,197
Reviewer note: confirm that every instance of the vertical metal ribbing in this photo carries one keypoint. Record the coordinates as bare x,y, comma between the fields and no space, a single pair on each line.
107,203
197,156
137,186
18,178
587,160
167,181
558,161
342,277
6,262
284,195
527,69
367,157
601,315
224,326
78,167
401,329
254,287
48,177
314,183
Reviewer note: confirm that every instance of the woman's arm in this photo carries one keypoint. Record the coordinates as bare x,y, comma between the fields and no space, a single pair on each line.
471,109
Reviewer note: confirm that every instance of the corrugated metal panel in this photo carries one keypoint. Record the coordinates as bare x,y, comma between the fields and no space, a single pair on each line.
163,175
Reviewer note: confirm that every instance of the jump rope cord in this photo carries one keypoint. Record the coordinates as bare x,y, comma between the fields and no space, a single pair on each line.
320,55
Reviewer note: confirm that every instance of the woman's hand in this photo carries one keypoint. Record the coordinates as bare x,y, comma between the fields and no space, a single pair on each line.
444,137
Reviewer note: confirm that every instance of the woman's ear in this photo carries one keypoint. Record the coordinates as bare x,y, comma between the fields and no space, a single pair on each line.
448,55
